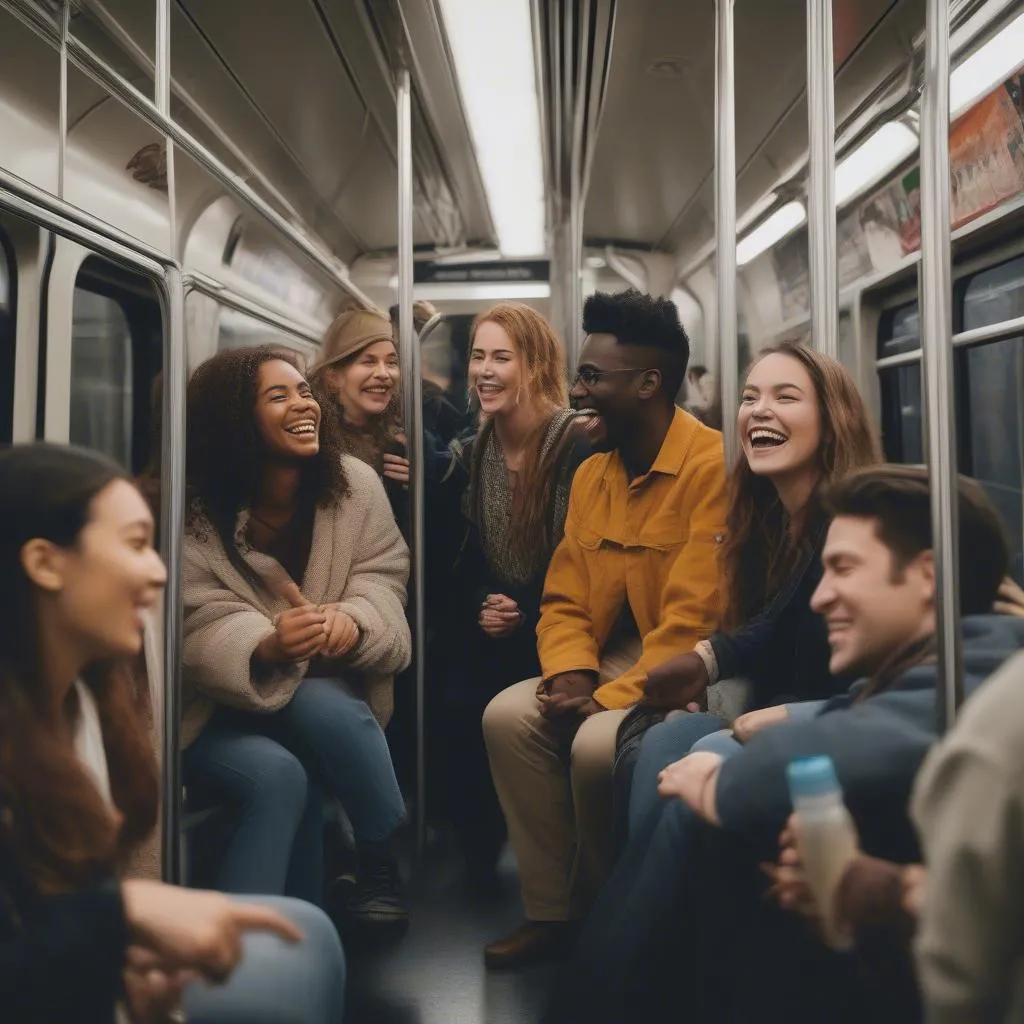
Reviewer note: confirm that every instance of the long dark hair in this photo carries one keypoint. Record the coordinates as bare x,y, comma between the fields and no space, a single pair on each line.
225,455
57,824
759,550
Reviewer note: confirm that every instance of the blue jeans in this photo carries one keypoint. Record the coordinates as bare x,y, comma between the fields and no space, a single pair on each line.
664,744
274,769
278,982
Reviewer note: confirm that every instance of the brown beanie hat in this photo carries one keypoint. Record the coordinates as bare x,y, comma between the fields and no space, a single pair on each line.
351,332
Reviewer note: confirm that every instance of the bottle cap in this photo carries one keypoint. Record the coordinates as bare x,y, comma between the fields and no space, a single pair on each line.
811,777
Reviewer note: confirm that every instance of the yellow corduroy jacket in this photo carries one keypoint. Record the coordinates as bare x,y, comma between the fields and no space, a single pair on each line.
654,542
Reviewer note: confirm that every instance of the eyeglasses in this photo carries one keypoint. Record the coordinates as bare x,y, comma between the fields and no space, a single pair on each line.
589,377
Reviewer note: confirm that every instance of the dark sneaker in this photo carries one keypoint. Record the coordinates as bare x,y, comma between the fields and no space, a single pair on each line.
376,901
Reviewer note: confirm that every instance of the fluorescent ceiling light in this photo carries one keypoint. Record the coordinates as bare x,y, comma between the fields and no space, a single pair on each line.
987,67
492,47
485,291
777,226
873,158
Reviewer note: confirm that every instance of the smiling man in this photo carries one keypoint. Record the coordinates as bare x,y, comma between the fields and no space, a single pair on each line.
687,892
635,580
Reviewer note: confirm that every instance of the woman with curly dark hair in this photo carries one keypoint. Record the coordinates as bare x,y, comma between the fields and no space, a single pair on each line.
294,591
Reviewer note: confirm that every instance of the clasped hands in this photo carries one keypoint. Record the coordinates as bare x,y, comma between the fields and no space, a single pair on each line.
306,630
568,694
499,616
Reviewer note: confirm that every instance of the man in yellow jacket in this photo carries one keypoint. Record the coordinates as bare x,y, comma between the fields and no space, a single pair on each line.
635,580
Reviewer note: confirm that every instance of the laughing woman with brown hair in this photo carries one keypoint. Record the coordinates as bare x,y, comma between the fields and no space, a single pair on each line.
801,423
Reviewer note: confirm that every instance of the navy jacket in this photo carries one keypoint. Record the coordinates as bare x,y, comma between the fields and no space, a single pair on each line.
784,651
61,957
877,744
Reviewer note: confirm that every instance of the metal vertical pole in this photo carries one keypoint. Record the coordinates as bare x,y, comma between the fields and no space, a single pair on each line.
172,513
412,391
62,114
172,526
725,222
937,351
575,259
162,80
821,206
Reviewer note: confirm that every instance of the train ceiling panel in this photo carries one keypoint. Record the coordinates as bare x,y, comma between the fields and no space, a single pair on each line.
652,179
304,90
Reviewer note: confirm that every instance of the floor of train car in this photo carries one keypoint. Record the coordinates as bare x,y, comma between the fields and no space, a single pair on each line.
436,974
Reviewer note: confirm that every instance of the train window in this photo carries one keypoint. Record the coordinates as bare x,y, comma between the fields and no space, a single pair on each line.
992,376
101,376
899,330
902,422
116,354
7,303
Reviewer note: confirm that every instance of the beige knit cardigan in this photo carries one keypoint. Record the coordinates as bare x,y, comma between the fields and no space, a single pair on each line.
358,560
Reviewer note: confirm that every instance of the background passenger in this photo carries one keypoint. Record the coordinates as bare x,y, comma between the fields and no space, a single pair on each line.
294,590
359,368
441,417
79,784
802,424
511,483
635,579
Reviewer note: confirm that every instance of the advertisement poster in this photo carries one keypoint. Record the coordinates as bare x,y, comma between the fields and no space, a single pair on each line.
880,222
907,196
853,256
986,156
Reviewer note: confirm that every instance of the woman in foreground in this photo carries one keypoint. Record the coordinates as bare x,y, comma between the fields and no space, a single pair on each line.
78,786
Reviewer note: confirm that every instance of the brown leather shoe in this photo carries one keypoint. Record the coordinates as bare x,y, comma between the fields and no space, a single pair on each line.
531,943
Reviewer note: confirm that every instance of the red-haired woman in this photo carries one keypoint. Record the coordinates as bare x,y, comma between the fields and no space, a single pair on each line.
509,491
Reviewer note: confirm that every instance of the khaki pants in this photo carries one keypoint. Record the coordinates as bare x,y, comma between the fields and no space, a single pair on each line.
554,781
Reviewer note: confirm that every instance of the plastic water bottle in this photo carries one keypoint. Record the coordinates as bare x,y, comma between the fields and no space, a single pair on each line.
828,839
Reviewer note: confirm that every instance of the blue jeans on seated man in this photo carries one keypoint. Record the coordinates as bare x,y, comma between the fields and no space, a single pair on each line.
671,740
273,771
278,982
681,930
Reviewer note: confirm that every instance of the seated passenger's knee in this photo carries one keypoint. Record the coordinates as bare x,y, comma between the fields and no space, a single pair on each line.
592,750
279,778
723,743
508,711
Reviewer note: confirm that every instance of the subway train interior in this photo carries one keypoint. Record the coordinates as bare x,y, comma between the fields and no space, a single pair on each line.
181,177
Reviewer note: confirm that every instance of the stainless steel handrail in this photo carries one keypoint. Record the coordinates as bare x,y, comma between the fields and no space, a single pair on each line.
821,202
937,352
412,392
225,296
726,360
